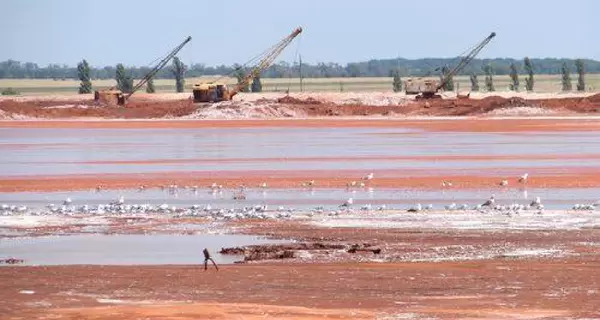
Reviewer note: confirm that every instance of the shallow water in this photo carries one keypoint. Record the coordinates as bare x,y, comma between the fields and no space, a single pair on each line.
124,249
30,152
554,198
33,151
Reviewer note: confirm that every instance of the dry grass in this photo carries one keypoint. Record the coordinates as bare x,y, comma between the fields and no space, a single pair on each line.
543,84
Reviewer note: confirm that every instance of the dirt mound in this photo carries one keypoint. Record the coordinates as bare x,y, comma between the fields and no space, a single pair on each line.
89,109
595,98
292,100
520,111
299,106
245,110
276,252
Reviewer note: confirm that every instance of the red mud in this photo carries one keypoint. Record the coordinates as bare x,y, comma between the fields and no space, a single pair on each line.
460,125
480,289
567,178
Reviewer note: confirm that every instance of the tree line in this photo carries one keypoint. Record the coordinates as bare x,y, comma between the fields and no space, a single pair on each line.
373,68
528,68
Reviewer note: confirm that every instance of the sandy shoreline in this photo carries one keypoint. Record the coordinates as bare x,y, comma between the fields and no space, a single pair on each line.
432,124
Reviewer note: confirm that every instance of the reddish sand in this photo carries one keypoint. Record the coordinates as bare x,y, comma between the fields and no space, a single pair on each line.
423,178
470,125
478,289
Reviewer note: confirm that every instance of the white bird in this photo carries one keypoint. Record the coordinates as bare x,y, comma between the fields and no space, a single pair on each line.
347,203
450,207
446,184
536,202
263,185
120,200
366,207
67,201
490,202
429,207
369,177
523,178
464,207
381,207
416,208
504,183
351,184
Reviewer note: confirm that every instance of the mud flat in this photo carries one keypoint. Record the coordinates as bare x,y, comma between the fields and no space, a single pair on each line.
507,289
361,263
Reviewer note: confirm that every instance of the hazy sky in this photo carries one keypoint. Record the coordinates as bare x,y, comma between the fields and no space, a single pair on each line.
136,32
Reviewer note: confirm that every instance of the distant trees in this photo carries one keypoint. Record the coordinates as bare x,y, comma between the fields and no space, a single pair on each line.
9,92
124,80
474,82
397,82
529,69
514,77
489,80
150,86
83,73
256,85
178,71
581,74
566,78
372,68
448,85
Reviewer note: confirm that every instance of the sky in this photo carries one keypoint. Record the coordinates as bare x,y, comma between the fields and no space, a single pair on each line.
136,32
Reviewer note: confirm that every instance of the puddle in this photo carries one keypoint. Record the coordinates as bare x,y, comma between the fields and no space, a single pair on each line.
124,249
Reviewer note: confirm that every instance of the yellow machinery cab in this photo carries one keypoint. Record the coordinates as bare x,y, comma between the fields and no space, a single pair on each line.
421,86
211,92
111,97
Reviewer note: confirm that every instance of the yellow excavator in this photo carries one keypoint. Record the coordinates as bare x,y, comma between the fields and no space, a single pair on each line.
114,96
427,88
218,91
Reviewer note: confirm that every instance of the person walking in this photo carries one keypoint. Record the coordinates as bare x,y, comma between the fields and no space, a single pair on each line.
206,258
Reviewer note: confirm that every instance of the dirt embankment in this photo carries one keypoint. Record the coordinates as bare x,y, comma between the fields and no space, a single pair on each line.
451,107
291,106
57,109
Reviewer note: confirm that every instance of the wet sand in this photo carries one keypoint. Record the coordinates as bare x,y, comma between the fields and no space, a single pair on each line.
423,179
432,124
449,290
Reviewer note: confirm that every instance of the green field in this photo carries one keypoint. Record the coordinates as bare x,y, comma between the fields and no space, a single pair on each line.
543,83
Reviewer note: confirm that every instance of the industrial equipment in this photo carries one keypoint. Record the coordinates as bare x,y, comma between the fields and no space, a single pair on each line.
113,96
427,88
218,91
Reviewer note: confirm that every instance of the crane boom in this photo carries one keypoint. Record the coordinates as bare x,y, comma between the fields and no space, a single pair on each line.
267,59
466,60
158,67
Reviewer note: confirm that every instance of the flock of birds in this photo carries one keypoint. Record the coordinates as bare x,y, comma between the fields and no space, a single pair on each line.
120,207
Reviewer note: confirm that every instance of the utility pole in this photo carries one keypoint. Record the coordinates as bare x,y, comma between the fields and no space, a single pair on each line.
300,71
